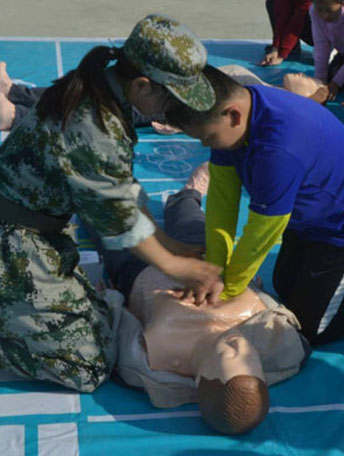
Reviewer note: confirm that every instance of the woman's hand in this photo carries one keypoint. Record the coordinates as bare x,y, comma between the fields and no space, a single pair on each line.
272,58
201,279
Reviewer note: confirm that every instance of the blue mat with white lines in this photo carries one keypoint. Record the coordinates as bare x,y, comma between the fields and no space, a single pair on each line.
40,419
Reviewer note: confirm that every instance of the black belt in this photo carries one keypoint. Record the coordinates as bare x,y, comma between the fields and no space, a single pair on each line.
32,220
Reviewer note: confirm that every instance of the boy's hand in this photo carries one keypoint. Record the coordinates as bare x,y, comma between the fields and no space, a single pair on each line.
333,89
272,58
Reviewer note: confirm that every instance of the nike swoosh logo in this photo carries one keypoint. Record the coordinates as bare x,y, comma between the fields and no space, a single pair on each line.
317,274
263,206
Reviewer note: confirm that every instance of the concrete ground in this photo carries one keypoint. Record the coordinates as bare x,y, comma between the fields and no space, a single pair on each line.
229,19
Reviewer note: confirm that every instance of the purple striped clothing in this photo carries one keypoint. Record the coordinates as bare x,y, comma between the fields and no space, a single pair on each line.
327,36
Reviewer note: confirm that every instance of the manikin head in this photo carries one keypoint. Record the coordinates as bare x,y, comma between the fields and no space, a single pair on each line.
328,10
225,125
301,84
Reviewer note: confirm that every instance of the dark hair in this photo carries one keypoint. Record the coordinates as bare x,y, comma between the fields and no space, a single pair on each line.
87,81
180,115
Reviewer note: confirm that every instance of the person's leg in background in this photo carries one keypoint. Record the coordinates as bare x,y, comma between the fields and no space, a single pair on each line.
269,5
287,264
306,34
23,98
15,99
334,66
184,218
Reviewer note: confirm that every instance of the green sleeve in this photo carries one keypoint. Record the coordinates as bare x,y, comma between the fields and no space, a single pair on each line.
260,234
221,213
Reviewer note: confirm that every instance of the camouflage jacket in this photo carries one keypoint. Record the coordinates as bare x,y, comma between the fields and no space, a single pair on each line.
79,170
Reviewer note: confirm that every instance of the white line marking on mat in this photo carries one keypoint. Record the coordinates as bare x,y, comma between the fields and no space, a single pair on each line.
163,179
58,439
307,409
169,415
39,404
12,440
59,59
4,135
142,416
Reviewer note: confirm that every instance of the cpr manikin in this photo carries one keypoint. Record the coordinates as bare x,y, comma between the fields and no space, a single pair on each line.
223,356
201,342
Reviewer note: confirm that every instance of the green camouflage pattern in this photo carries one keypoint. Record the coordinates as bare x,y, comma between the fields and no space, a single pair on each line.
170,54
52,324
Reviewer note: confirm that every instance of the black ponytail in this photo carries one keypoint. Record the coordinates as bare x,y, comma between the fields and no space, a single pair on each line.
86,81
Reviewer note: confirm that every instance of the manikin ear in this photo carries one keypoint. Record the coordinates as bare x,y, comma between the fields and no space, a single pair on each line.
234,115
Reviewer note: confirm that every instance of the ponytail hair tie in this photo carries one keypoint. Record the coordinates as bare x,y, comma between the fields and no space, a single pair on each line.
113,50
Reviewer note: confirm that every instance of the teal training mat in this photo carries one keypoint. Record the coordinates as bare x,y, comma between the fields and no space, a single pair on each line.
306,413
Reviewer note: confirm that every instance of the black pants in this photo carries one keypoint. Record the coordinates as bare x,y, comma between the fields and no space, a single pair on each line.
307,276
334,66
306,34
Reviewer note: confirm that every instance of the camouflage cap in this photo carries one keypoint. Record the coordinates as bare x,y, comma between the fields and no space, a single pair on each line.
171,55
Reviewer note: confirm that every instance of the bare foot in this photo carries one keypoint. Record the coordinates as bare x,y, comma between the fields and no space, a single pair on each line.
5,81
199,179
7,113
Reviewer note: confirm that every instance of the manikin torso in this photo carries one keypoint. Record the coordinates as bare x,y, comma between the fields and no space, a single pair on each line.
181,337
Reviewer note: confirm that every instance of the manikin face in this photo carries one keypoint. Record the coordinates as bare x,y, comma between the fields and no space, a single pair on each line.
328,10
301,84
